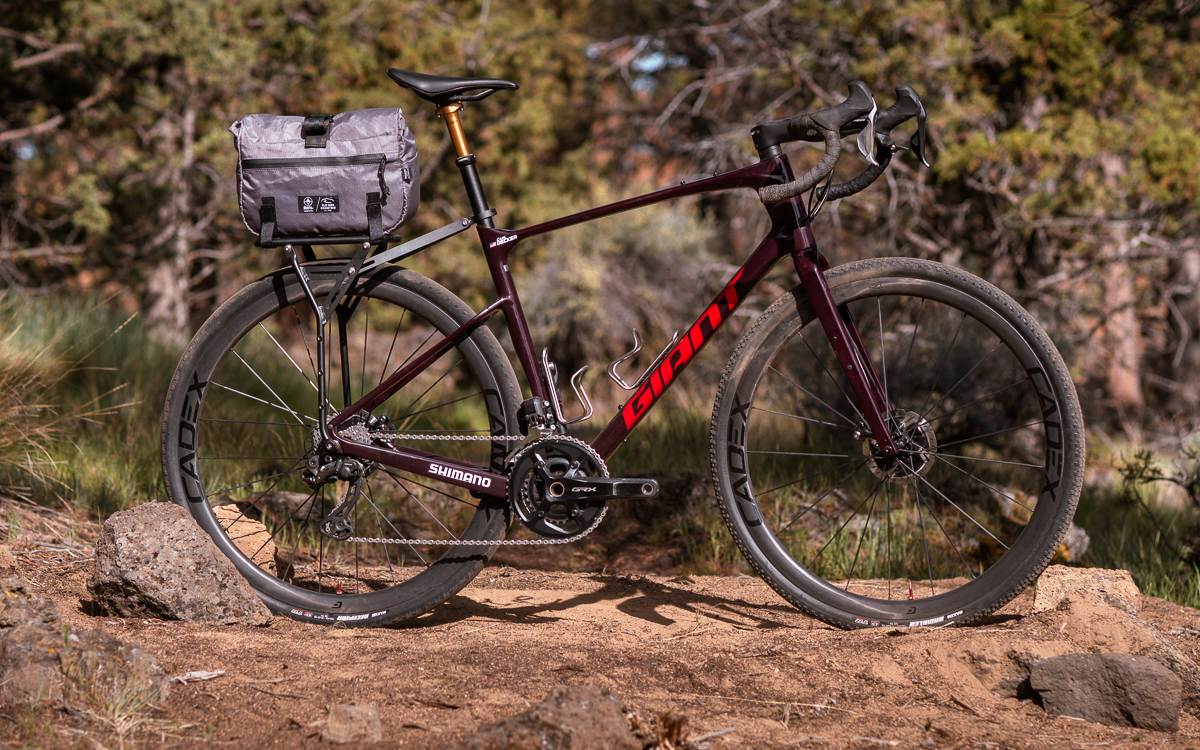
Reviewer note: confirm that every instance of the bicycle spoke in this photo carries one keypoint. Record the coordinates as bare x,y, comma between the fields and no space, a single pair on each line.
276,476
369,494
284,351
997,433
994,489
836,382
407,412
964,513
424,507
802,418
861,538
260,423
783,527
986,397
977,459
280,407
942,367
857,465
835,534
924,542
961,380
383,371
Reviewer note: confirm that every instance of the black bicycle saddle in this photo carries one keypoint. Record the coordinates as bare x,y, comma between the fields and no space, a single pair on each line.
444,90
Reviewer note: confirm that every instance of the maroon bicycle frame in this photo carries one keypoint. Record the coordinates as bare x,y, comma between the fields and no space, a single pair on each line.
790,234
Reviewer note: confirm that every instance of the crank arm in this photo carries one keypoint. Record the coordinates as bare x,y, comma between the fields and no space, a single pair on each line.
601,489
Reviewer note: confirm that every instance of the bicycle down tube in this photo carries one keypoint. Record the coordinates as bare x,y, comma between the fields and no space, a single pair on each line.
790,235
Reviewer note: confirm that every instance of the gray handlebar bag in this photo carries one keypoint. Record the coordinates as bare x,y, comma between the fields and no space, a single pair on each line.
354,173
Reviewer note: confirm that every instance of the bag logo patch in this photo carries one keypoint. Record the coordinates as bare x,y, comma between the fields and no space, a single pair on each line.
318,204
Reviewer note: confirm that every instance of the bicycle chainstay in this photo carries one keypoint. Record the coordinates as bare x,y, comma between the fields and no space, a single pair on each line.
359,433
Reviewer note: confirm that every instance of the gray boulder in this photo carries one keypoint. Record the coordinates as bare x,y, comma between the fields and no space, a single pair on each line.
1112,689
42,660
582,717
154,561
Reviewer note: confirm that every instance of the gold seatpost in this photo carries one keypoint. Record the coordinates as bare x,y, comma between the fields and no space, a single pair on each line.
466,164
449,113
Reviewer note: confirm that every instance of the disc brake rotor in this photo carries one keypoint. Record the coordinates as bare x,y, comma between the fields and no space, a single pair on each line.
917,443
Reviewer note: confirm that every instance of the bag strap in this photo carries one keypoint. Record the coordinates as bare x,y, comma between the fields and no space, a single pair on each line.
375,217
266,216
316,130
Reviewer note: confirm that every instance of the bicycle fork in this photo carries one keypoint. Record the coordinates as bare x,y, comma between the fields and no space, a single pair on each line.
848,346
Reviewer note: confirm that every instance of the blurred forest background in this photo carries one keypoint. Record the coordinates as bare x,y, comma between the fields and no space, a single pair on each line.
1065,136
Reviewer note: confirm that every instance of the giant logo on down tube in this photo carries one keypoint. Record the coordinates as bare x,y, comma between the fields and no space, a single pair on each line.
698,335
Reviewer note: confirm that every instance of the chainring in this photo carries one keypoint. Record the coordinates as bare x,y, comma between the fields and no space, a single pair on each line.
531,486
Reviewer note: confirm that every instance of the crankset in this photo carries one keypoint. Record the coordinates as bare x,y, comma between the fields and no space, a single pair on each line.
558,486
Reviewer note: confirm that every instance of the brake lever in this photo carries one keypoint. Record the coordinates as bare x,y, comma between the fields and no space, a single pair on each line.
918,141
866,136
908,105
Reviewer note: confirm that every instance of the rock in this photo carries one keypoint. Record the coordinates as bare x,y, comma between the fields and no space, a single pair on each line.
582,717
352,723
118,672
20,605
1113,586
32,664
41,660
7,561
155,561
1006,676
1105,628
250,536
1112,689
1074,544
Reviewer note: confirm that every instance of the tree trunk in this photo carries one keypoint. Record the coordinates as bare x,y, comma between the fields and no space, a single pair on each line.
1183,361
1122,332
167,287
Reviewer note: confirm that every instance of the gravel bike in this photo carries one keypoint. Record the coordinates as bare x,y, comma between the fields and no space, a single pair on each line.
893,442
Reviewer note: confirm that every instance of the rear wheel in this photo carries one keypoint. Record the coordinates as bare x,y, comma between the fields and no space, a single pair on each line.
991,450
240,429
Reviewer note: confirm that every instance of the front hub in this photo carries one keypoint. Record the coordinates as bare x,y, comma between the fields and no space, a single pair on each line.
916,443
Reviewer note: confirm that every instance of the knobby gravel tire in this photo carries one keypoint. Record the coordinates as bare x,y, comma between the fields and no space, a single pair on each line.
991,437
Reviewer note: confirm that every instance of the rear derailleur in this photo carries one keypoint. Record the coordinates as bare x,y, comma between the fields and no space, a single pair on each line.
327,464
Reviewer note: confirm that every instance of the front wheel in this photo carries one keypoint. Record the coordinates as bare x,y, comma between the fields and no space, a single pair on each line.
983,411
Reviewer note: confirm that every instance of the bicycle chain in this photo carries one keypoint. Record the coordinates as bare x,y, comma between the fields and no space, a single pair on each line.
356,433
500,542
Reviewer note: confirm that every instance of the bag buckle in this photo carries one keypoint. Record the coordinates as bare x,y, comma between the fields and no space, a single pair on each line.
316,130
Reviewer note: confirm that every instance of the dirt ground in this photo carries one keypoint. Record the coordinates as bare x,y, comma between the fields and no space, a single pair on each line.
743,667
726,653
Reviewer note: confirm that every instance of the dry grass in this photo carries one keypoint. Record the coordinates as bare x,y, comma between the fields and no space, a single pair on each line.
59,389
